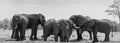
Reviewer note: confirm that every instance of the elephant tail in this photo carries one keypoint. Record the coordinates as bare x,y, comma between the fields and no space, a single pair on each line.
112,31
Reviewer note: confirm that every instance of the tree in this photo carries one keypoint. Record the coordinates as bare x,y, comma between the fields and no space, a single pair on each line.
5,23
114,9
1,24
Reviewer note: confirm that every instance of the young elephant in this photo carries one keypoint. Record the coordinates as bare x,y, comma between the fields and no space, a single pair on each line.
62,28
96,26
21,22
48,28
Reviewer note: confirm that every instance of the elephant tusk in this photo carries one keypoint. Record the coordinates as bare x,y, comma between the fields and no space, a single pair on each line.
16,27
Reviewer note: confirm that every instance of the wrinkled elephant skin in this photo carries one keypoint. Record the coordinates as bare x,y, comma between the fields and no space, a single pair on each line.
62,28
96,26
20,22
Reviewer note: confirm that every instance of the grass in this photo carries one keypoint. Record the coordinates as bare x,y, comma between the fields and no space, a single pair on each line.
6,34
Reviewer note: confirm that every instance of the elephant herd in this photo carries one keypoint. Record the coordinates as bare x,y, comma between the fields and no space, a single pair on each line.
59,28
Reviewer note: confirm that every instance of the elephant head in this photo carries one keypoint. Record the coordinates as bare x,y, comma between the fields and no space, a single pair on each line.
88,25
42,19
77,19
15,21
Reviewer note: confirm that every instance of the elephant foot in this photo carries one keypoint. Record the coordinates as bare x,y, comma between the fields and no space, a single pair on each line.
31,38
106,40
78,39
23,39
16,37
56,40
62,41
35,38
20,39
95,40
42,36
90,39
45,39
12,37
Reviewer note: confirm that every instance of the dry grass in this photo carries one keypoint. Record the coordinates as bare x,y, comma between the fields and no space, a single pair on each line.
6,34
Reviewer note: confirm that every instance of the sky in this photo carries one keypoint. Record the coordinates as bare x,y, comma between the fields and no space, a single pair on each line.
58,9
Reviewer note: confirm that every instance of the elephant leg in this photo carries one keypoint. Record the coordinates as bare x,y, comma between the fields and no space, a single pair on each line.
107,36
22,34
90,35
16,34
95,36
79,35
56,37
32,31
55,31
46,33
45,37
66,39
13,34
61,37
35,33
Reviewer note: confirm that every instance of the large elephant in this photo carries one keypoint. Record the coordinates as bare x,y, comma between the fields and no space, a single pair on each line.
62,28
78,19
20,22
96,26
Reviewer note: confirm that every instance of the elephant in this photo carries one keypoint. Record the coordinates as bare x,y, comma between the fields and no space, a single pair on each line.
21,22
95,26
48,29
62,28
70,28
78,19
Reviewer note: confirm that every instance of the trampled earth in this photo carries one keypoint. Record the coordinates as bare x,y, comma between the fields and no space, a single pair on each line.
6,34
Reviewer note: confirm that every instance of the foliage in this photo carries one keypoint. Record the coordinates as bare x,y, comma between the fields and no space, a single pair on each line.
6,23
114,9
1,24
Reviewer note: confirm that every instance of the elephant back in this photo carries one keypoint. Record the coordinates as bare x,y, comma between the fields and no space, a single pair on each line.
106,25
62,23
38,18
50,21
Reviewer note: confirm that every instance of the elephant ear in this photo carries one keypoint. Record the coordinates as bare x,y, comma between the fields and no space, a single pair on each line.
17,17
91,23
77,19
42,19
